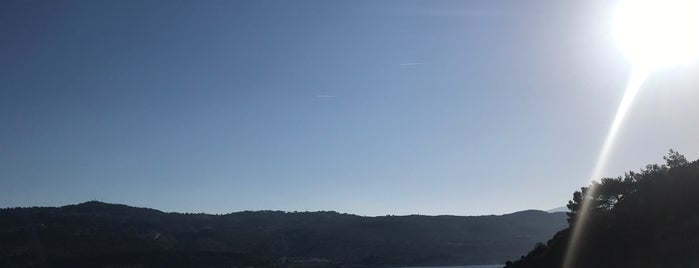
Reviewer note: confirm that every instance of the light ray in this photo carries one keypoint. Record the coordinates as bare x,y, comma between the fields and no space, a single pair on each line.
654,34
633,86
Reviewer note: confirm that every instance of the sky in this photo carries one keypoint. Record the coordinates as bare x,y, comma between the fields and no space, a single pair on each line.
363,107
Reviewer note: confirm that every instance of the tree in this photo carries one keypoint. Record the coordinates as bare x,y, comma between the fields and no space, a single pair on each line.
675,159
642,219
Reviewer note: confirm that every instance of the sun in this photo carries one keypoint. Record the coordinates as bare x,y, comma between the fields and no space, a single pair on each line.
657,34
654,34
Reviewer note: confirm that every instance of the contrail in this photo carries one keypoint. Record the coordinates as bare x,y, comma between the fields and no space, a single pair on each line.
634,85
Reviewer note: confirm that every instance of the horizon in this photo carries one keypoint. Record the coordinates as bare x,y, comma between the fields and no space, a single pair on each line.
553,210
368,108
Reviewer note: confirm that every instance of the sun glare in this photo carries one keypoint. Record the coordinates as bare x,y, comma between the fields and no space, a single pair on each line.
657,34
654,34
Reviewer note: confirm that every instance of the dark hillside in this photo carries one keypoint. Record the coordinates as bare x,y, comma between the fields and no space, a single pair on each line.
99,234
646,219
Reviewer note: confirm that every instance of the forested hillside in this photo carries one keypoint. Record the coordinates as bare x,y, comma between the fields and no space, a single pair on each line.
643,219
100,234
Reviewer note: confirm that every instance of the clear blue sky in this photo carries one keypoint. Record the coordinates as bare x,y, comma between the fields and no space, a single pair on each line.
365,107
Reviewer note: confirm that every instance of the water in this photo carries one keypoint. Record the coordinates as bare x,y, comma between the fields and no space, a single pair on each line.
466,266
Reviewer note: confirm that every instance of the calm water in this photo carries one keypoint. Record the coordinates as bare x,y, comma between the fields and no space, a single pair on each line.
467,266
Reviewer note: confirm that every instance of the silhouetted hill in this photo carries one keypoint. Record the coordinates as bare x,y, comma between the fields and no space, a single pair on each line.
643,219
100,234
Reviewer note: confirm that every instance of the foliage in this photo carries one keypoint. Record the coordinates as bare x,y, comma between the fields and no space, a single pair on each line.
643,219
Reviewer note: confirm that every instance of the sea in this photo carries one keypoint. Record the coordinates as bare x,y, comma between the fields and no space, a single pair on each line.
466,266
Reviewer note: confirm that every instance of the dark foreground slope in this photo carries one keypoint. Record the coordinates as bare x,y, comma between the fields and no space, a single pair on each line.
100,234
646,219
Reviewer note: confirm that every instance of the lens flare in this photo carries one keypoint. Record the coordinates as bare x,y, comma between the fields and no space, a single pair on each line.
632,88
654,34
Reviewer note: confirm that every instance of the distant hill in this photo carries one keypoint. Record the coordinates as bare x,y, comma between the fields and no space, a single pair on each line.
100,234
643,219
558,209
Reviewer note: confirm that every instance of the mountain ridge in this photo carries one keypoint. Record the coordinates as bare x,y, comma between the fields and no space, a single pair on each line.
97,234
95,203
